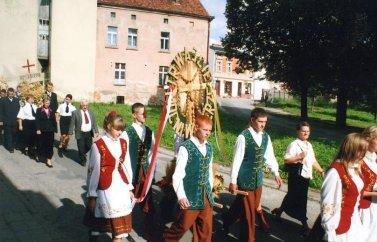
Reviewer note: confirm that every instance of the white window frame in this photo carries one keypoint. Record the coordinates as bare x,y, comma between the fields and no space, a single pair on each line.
162,73
120,68
132,38
112,36
165,41
229,66
218,65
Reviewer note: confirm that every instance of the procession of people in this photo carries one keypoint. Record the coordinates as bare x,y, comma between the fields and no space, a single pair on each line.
118,163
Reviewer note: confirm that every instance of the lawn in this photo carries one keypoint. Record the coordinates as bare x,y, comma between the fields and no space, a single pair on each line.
232,125
325,112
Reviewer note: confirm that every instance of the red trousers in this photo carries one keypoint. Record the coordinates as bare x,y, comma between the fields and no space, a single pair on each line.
200,221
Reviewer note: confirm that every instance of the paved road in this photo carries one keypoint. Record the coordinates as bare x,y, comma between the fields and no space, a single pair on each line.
42,204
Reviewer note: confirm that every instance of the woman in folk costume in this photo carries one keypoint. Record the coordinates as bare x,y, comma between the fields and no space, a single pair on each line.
341,192
109,183
368,205
300,161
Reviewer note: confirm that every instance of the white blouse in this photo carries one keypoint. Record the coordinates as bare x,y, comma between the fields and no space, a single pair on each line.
239,152
180,167
115,201
331,200
295,148
26,113
62,109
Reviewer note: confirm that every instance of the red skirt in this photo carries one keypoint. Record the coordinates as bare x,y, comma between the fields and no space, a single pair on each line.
116,226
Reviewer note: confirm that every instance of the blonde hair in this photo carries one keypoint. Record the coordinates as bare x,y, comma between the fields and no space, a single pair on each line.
370,133
352,149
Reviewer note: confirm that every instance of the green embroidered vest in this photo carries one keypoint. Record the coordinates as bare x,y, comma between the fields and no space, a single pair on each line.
138,151
196,181
250,175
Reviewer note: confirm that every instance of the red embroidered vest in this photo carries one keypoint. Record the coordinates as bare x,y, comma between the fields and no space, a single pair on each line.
369,178
349,198
107,165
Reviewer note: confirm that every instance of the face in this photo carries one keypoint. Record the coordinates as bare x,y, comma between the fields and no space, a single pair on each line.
203,131
3,94
49,88
258,124
46,104
140,115
67,100
115,133
84,106
303,133
372,145
31,100
10,93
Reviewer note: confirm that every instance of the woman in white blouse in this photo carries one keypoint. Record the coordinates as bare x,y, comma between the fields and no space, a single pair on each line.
368,205
341,193
109,183
300,161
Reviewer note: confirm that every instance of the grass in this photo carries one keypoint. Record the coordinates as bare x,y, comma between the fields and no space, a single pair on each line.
356,118
232,125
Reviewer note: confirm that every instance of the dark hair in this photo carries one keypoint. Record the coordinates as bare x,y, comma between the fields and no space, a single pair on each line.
11,89
48,84
136,106
69,96
258,113
113,120
302,124
28,97
3,91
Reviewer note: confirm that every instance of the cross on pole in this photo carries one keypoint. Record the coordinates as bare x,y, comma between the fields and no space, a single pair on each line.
28,65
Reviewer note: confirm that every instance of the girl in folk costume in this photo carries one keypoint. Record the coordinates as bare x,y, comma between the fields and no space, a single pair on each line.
109,183
63,118
368,205
341,192
300,161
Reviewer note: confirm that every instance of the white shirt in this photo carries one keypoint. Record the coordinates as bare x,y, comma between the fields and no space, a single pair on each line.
180,167
25,112
295,148
85,127
239,152
62,108
141,131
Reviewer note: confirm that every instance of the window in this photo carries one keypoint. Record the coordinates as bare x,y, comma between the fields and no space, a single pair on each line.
218,65
120,100
120,74
133,16
229,66
165,39
166,21
192,24
132,38
112,14
162,73
112,35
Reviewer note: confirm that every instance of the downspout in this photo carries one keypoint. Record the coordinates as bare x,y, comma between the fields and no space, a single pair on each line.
208,33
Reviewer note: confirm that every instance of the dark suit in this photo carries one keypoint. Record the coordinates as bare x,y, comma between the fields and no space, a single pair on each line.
8,114
53,102
84,139
47,125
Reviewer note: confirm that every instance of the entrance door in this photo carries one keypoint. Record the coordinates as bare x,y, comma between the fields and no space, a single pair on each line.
228,88
217,88
239,89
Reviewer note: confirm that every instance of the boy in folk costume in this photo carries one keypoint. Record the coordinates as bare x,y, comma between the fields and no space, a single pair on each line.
253,149
109,183
140,141
193,182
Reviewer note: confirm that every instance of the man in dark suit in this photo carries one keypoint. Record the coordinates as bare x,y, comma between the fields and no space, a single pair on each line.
84,124
3,95
8,114
52,96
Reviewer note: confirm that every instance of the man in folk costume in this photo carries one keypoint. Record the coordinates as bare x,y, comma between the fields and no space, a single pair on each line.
193,182
253,150
140,141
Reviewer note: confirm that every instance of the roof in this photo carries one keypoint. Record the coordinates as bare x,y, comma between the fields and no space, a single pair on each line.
182,7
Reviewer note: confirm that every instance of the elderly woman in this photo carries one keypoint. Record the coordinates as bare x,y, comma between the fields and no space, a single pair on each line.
368,204
300,161
45,126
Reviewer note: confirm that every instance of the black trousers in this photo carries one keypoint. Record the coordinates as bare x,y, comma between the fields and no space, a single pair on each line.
46,144
84,144
28,137
10,132
1,135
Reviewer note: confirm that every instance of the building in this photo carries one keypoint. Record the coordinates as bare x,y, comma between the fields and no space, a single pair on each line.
105,50
137,40
228,83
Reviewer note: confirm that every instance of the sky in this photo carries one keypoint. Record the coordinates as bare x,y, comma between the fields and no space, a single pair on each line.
216,8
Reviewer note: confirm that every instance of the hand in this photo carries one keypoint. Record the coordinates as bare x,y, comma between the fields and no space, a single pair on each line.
301,155
279,181
132,196
91,203
20,128
1,123
39,132
233,188
322,174
184,203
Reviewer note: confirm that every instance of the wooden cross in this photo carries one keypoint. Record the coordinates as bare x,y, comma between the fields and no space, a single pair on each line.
28,65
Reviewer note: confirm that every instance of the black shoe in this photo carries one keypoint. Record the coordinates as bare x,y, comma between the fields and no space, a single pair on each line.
226,226
129,238
11,151
277,212
83,163
60,152
305,230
